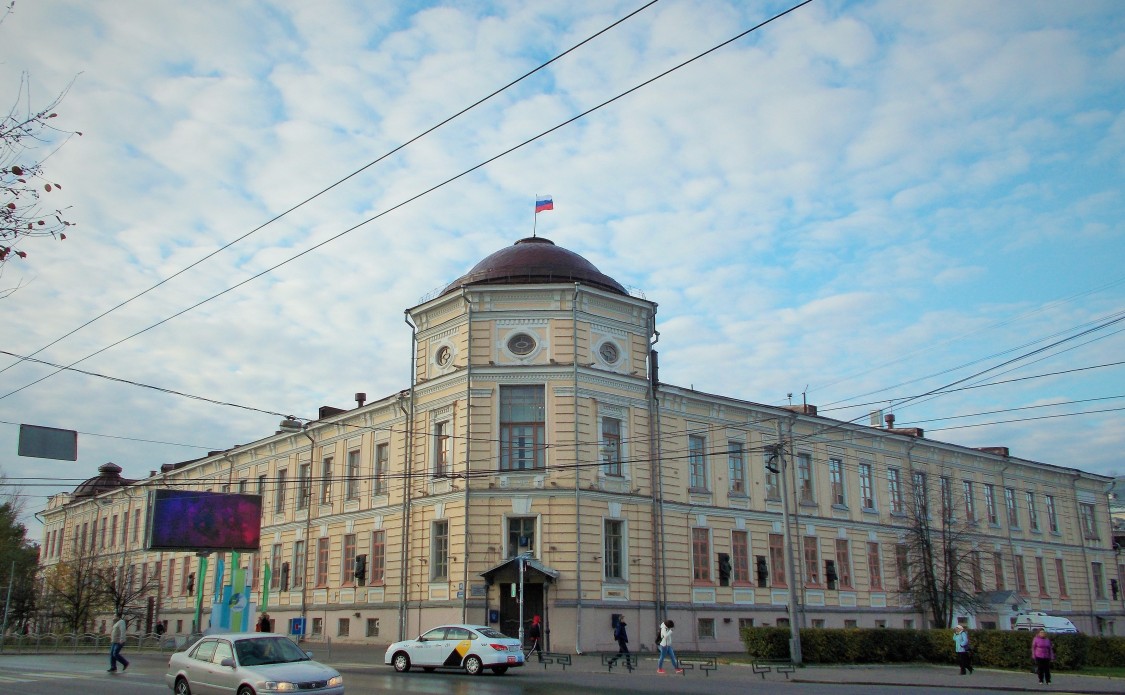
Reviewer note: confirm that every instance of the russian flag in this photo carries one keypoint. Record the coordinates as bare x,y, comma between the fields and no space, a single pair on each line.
544,202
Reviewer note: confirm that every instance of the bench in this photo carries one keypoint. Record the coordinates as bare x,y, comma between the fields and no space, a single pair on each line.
554,658
704,662
611,659
764,666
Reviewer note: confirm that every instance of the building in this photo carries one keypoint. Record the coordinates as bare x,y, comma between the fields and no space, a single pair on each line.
536,427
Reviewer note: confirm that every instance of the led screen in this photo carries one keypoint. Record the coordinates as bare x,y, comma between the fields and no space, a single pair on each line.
200,521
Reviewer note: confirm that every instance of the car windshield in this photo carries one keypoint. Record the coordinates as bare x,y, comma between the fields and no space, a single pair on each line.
492,634
259,651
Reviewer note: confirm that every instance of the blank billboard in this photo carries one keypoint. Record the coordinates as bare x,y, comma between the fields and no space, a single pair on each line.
203,521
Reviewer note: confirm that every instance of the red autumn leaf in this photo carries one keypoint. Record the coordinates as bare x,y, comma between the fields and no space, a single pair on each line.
47,187
17,171
61,235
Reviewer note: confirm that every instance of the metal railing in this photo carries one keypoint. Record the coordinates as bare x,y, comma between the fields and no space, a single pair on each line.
84,643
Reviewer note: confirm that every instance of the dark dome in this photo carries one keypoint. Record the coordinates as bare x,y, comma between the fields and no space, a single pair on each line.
110,479
535,260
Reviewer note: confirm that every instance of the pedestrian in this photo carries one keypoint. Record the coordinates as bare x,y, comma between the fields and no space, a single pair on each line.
666,650
1043,652
535,633
116,644
622,637
964,651
264,623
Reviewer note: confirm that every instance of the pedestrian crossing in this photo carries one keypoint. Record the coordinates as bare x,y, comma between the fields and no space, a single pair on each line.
12,676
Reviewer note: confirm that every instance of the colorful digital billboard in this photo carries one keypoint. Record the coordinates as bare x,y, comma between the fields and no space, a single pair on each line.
203,521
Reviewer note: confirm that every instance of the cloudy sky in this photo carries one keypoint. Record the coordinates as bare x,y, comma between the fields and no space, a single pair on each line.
860,201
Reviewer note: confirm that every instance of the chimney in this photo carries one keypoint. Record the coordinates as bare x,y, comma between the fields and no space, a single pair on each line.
803,409
890,418
360,399
998,450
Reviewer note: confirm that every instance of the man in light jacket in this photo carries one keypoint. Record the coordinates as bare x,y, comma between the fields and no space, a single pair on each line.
116,643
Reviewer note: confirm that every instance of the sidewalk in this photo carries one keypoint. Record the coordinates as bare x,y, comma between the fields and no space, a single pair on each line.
363,657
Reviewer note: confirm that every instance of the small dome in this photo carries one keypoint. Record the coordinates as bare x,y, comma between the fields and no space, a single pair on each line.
110,479
533,261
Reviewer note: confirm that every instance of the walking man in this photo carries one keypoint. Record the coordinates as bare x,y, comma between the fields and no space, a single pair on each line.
535,633
622,638
117,642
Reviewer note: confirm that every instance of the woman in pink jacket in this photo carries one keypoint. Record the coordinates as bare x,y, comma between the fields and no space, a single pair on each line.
1043,653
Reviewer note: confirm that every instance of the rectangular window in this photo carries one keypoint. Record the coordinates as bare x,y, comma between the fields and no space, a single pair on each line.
439,551
112,533
1052,516
242,487
94,535
614,551
1021,576
843,563
805,480
300,564
321,562
874,567
701,554
379,475
1098,577
441,449
998,571
740,552
1060,572
171,576
275,566
521,535
812,560
902,563
773,481
185,578
343,627
836,477
707,628
866,486
347,569
946,487
124,530
1041,577
894,490
372,627
136,524
1010,505
736,468
522,428
262,484
611,446
317,627
279,494
970,506
326,480
1089,523
990,504
304,485
975,569
921,494
377,563
697,463
1032,514
777,559
351,486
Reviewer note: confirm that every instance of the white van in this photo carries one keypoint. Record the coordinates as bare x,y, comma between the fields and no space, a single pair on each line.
1038,620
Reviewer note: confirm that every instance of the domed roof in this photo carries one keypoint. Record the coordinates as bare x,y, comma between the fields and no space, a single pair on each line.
535,260
110,479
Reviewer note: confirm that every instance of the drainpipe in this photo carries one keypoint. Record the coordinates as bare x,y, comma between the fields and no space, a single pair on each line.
468,445
657,489
407,481
1085,559
792,478
577,486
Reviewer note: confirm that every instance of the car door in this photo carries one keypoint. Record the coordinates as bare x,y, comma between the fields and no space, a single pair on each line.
456,646
200,671
427,649
226,678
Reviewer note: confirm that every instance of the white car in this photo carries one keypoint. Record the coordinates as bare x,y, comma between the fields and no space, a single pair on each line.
249,663
471,647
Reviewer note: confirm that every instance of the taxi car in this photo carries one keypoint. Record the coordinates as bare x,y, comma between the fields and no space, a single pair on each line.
473,648
249,663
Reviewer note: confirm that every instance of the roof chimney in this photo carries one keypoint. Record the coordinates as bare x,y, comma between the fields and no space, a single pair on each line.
360,399
890,418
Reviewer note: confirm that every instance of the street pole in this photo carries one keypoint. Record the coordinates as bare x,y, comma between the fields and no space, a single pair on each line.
794,629
523,559
8,600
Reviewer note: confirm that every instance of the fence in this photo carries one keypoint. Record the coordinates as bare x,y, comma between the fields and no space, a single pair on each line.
86,643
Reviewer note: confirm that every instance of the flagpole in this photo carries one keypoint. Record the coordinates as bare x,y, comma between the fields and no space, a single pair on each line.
535,217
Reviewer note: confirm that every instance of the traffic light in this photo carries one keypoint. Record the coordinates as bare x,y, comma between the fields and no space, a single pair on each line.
724,569
190,583
285,576
360,569
763,571
830,573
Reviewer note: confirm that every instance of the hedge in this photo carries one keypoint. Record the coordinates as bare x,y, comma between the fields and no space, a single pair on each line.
998,648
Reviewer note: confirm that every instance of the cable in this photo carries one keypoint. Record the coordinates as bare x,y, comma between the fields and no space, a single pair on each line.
338,182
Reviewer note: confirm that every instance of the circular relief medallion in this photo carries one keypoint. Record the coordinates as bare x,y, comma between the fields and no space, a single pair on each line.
521,344
609,353
444,356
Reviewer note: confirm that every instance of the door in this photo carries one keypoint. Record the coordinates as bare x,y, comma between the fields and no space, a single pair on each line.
510,610
226,677
429,649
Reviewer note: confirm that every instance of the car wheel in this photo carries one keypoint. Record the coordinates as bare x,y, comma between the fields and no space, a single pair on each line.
245,690
401,662
182,687
499,670
473,665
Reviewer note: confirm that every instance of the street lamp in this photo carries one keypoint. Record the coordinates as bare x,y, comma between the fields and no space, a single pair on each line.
777,453
292,425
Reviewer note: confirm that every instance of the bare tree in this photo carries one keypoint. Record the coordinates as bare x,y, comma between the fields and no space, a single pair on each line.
940,571
73,592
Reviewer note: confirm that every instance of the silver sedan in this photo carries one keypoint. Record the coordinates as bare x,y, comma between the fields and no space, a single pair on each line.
248,664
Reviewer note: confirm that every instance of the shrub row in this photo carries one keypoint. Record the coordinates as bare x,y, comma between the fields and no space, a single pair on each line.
998,648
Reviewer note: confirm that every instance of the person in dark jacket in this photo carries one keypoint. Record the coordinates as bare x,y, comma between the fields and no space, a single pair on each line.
622,637
535,634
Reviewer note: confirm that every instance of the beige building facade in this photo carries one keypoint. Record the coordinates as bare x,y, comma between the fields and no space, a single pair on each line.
536,427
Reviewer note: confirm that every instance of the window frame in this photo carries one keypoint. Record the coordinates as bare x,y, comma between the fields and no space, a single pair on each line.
351,475
867,486
810,554
776,545
736,469
611,454
806,490
697,463
701,556
514,433
740,557
613,550
874,566
439,550
837,482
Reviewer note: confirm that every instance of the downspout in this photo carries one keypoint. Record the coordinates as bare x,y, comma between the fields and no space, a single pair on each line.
657,481
1008,523
1085,559
577,485
468,444
914,496
800,566
407,482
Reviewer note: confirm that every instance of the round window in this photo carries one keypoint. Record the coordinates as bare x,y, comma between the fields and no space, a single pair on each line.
444,356
521,344
609,353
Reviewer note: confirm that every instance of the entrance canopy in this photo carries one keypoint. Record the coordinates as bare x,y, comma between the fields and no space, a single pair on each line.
508,572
